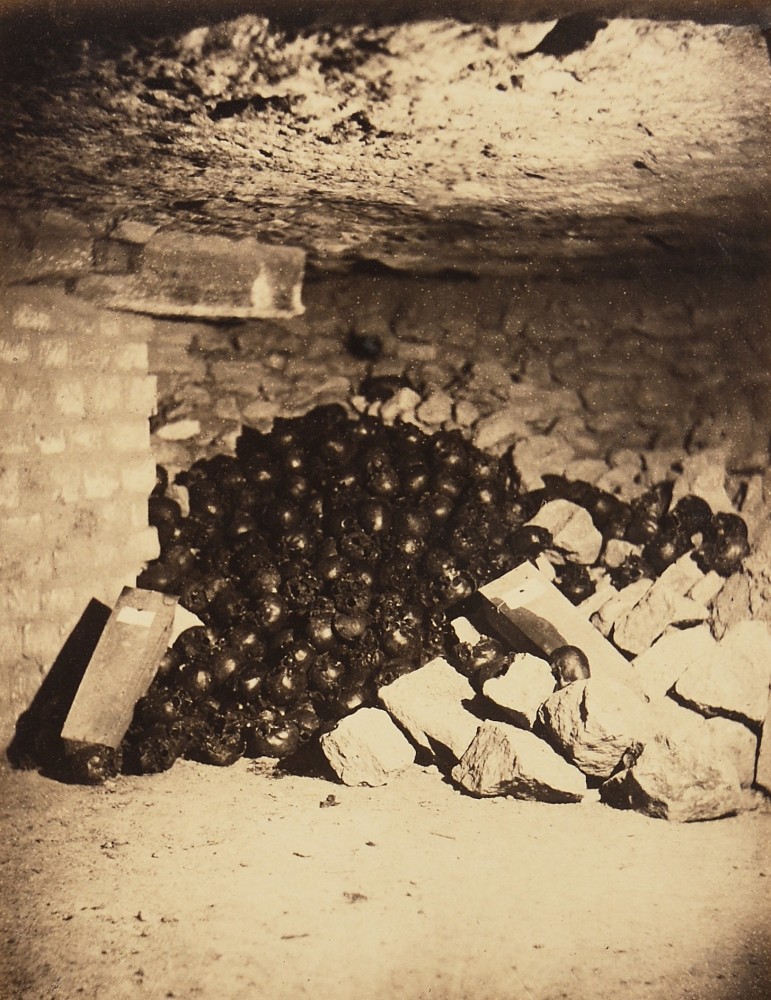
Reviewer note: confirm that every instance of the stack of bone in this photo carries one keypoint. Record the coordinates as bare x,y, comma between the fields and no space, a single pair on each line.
670,719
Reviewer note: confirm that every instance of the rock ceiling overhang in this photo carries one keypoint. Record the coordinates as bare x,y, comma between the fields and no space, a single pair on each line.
425,145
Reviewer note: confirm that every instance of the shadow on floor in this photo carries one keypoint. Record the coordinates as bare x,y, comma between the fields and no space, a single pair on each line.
37,742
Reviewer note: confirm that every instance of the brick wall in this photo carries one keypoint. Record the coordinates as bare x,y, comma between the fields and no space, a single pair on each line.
76,398
75,472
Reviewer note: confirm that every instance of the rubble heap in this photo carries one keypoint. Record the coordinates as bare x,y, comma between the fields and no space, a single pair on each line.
387,594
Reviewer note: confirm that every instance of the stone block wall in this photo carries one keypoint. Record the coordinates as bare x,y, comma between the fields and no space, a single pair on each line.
677,362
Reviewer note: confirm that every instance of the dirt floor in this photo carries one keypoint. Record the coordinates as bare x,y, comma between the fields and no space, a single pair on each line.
204,883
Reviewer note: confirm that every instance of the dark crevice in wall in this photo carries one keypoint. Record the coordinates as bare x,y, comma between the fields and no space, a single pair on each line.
27,27
146,15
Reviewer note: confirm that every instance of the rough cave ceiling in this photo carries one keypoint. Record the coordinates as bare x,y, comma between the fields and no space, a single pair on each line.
425,144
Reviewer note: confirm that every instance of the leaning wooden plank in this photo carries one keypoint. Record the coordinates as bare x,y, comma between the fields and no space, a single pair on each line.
120,671
533,605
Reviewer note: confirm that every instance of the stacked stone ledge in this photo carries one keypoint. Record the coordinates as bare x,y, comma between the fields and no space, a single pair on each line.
568,344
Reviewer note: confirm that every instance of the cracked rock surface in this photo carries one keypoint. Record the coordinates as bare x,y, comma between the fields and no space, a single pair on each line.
423,145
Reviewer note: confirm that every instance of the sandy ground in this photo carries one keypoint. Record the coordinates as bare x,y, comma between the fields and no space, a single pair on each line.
204,883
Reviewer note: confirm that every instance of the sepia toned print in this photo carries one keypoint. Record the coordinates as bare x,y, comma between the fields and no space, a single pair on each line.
384,506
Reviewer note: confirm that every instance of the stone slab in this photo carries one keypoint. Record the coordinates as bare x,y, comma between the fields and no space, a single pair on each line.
522,689
428,704
619,605
121,668
198,276
660,666
367,748
735,681
537,608
504,760
664,604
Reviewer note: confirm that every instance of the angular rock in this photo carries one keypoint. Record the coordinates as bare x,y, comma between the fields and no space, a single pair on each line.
262,412
545,567
540,453
673,720
594,723
753,503
428,704
500,429
763,762
660,666
367,748
490,378
706,590
734,742
604,592
682,576
588,470
718,740
571,528
622,480
747,594
735,682
521,691
465,413
538,387
504,760
664,604
435,409
620,605
704,475
180,430
660,462
573,432
526,599
328,390
402,404
675,781
617,550
626,458
465,631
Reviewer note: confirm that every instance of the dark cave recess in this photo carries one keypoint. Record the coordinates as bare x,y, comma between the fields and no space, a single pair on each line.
94,16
